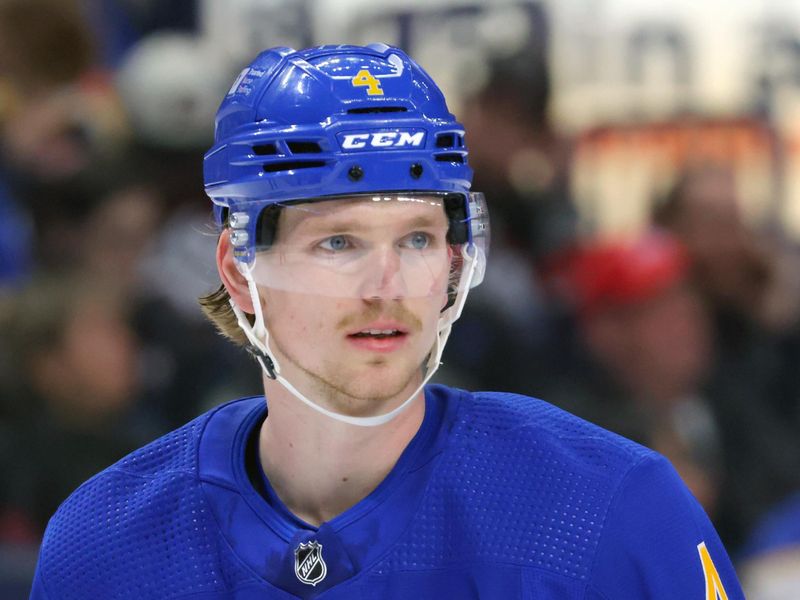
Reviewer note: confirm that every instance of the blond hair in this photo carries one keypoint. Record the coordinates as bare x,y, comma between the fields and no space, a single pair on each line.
217,308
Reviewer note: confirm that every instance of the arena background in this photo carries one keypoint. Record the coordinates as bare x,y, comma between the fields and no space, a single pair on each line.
641,162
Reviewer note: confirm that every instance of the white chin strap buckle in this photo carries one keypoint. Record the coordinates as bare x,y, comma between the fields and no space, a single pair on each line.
264,360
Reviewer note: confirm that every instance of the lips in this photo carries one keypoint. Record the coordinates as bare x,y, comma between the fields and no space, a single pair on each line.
380,328
377,333
379,337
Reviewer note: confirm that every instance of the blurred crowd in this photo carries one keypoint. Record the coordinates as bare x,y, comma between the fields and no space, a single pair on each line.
684,337
105,243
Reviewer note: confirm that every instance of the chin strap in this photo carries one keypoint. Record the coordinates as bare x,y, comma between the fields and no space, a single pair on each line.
258,336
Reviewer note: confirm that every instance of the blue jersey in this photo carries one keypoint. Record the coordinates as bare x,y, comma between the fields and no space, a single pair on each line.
497,496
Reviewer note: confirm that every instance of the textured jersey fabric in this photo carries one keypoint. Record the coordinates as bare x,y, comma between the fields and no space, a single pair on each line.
497,496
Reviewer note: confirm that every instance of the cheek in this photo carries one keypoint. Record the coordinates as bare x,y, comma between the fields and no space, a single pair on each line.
429,313
294,317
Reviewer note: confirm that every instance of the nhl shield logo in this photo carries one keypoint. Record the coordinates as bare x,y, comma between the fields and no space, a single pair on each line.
309,565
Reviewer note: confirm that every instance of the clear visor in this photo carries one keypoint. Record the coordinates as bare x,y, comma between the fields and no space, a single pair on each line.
387,246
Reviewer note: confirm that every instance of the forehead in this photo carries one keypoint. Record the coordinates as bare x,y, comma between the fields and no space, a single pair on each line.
372,213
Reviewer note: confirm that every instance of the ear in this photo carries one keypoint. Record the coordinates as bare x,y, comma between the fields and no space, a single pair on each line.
231,278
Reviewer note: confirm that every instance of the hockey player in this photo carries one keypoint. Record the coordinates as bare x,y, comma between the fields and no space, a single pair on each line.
349,241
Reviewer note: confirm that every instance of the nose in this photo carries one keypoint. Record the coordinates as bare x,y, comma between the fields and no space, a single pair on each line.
383,275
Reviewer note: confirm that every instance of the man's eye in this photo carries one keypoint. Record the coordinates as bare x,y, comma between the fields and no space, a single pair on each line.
335,243
418,240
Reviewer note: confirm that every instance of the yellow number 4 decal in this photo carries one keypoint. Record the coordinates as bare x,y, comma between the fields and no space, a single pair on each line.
365,78
714,589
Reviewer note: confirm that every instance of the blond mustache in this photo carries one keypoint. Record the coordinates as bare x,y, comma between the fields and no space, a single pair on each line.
392,311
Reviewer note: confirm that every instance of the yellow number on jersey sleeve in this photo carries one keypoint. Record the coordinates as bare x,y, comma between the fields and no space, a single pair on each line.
365,78
714,588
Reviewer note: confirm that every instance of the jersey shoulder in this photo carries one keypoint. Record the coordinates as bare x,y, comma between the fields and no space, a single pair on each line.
578,510
520,482
512,423
140,528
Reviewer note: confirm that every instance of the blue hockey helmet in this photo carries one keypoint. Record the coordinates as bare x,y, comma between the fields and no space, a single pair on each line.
331,122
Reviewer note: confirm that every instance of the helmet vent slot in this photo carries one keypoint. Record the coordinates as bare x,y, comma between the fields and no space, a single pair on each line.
450,157
265,149
376,109
446,140
304,147
291,165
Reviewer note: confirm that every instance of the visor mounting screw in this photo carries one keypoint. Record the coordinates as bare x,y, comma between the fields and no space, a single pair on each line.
355,173
239,238
239,220
416,170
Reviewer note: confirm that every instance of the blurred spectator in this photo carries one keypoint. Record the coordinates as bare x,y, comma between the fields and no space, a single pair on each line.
44,44
99,360
73,396
650,372
520,161
748,278
510,336
742,272
57,109
648,342
145,244
119,230
770,564
100,216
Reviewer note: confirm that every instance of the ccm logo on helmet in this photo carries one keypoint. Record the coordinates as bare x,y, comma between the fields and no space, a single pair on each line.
382,139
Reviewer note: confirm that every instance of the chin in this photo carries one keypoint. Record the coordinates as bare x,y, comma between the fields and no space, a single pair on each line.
383,389
359,394
358,387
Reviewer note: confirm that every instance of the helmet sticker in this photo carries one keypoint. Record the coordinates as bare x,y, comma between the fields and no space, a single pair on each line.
244,82
366,79
238,80
397,138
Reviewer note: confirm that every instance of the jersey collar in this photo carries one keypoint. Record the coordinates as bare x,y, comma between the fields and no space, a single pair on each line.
265,536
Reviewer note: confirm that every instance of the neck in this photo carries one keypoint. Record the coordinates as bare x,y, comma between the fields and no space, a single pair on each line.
320,467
